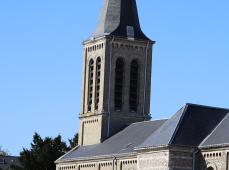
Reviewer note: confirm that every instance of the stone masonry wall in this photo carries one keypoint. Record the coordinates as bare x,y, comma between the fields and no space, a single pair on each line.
181,158
216,158
111,164
153,160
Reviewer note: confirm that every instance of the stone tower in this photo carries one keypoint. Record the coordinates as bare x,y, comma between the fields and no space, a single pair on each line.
117,74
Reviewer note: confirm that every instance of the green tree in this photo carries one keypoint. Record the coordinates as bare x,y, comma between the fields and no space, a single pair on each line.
73,142
43,153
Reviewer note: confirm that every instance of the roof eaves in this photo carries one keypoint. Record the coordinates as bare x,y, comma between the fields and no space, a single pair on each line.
73,149
97,157
214,146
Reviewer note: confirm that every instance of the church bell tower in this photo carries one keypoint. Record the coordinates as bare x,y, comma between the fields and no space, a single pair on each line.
117,74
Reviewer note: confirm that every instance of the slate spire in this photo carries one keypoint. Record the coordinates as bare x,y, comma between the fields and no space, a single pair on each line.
119,18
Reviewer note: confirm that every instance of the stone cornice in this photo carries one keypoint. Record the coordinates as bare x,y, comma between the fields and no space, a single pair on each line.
98,158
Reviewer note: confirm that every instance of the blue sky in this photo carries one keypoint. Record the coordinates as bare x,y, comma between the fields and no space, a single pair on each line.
41,61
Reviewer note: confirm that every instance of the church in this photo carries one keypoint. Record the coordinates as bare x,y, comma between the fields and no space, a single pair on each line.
116,131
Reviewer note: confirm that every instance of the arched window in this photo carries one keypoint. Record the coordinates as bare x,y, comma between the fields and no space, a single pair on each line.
210,168
90,83
97,82
119,72
133,93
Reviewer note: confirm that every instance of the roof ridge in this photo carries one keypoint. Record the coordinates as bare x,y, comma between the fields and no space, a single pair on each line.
207,106
184,108
160,119
147,121
207,137
179,114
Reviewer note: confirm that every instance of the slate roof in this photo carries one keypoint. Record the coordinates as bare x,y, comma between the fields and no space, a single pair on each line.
115,16
188,127
192,126
163,135
121,143
219,136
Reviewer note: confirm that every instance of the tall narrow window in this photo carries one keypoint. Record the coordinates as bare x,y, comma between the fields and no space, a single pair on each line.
90,83
97,82
133,93
119,71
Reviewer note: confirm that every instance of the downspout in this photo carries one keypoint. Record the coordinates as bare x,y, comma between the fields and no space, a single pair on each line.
109,89
114,163
227,161
84,79
145,78
194,159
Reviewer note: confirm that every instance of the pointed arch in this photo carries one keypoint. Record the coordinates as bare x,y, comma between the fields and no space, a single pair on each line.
97,82
133,90
119,81
90,83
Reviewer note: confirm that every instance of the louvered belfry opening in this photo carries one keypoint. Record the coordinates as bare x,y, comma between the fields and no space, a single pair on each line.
115,86
90,83
97,82
119,79
133,93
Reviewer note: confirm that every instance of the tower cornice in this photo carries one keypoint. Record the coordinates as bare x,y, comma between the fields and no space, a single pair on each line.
117,38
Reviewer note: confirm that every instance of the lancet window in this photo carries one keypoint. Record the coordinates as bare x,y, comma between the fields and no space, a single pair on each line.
119,80
133,90
97,82
90,83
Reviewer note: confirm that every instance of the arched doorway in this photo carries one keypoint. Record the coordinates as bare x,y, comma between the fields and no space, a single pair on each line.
210,168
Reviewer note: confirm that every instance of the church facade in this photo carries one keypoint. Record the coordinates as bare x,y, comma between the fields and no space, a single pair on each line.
116,132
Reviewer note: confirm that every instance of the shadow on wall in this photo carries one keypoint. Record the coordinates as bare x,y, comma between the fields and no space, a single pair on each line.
200,163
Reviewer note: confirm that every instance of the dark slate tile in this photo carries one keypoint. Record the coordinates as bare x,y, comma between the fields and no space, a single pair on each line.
219,136
197,123
123,142
117,17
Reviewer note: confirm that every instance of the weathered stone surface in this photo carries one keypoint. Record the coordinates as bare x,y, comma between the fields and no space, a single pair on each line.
99,123
154,160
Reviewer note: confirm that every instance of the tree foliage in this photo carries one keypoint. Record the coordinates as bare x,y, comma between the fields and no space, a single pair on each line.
73,142
43,153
